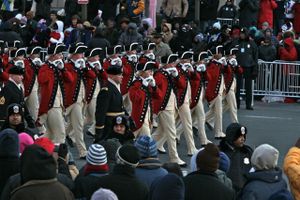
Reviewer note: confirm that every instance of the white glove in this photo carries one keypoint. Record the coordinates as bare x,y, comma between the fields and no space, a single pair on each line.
96,65
151,56
20,63
132,58
151,81
145,82
59,64
201,68
233,62
173,71
116,61
222,61
37,62
80,63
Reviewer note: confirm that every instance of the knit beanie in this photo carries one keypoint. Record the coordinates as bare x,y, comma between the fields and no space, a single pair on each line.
37,164
208,158
104,194
264,157
9,144
46,143
224,163
24,140
234,131
146,146
96,155
128,155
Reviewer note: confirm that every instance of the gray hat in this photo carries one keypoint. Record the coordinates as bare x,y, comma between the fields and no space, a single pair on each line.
265,157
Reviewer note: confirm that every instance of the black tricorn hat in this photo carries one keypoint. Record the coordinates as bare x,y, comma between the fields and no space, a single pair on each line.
77,49
187,55
93,52
131,47
18,52
55,49
169,59
141,66
33,50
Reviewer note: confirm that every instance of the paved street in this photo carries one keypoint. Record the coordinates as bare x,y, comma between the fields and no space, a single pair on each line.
275,123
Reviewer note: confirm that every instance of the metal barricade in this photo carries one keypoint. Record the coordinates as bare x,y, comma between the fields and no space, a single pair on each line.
228,21
277,79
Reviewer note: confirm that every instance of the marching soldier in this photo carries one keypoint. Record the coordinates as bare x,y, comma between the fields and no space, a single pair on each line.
51,78
164,105
214,91
129,61
13,92
109,103
94,78
140,94
75,96
198,79
113,57
32,66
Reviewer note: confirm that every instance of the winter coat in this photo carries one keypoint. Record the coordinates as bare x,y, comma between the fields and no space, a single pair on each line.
175,8
162,49
43,8
127,38
124,184
57,36
296,22
228,11
266,12
167,36
204,185
223,178
261,185
10,36
148,170
208,9
109,8
267,52
182,42
248,54
169,186
15,181
288,52
291,169
240,162
248,13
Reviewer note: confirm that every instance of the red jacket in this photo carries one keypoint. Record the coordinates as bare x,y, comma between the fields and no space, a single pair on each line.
296,22
266,12
128,75
229,74
288,52
164,86
140,97
181,84
214,76
31,73
72,88
197,83
48,78
91,77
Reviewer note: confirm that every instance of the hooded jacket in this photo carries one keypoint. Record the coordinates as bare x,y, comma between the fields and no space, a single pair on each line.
128,38
175,8
167,36
9,155
288,52
57,36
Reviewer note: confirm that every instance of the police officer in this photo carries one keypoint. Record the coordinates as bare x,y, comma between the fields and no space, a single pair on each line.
109,103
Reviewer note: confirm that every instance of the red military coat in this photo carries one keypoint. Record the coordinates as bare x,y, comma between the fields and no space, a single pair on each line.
181,84
49,78
197,82
214,75
229,74
128,75
31,73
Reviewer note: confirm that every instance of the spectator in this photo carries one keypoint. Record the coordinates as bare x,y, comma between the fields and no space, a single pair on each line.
109,8
183,41
9,35
266,12
38,172
291,168
53,18
121,130
175,10
267,50
122,180
96,166
98,40
268,33
111,146
208,13
173,168
167,33
161,49
296,11
233,145
42,34
169,186
9,155
149,167
111,32
278,14
104,194
248,13
71,8
288,11
7,8
224,165
130,35
146,29
43,9
133,10
24,140
266,181
288,51
199,44
228,10
204,182
57,34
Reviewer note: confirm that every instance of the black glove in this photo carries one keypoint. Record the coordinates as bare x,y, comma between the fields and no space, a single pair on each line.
98,135
63,150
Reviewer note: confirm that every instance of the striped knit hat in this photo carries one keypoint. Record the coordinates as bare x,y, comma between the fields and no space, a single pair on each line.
146,146
96,155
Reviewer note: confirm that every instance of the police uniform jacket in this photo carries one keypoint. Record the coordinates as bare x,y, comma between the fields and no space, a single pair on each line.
49,78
